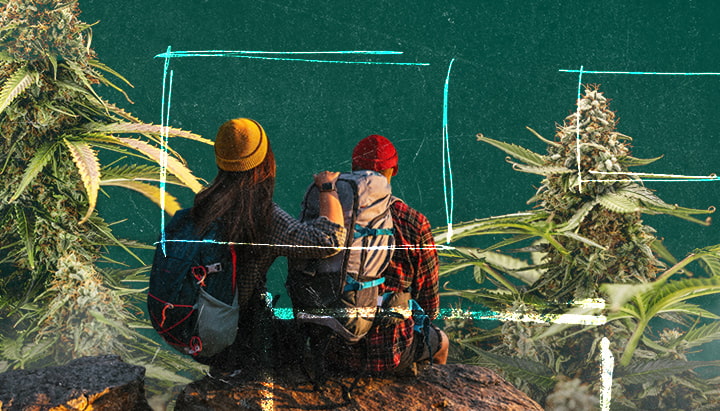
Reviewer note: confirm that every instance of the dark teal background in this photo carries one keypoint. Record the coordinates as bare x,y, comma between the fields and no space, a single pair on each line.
505,77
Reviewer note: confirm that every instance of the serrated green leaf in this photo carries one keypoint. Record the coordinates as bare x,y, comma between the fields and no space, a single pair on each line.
618,203
542,170
82,76
54,64
517,223
641,193
102,228
26,228
543,139
520,153
122,113
641,372
673,292
105,81
43,155
620,294
711,264
681,212
451,267
578,217
701,335
167,202
115,324
629,161
687,308
143,128
173,165
104,67
509,241
137,172
64,111
582,239
88,167
659,248
530,371
16,83
515,267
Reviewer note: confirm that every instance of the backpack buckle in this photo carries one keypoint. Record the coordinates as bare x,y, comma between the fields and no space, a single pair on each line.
214,268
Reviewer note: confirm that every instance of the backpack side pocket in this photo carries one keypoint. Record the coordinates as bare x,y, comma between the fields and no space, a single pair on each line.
217,323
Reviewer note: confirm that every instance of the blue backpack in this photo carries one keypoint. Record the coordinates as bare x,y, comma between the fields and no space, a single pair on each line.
192,299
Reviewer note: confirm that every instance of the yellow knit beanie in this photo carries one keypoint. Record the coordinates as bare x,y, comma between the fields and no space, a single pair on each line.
240,145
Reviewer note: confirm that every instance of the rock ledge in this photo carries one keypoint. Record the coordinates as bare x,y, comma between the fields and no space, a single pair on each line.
89,383
442,387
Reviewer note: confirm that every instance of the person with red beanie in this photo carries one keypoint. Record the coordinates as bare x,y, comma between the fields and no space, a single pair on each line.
414,268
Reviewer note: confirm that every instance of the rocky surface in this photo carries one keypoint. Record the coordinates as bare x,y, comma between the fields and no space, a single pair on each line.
108,383
90,383
441,387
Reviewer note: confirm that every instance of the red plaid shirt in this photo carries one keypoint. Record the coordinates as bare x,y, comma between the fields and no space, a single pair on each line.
414,268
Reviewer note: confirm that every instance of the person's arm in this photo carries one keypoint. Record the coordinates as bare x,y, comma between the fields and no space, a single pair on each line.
426,281
319,238
330,207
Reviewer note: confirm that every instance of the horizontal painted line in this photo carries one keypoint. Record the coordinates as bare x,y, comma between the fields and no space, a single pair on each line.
254,55
639,73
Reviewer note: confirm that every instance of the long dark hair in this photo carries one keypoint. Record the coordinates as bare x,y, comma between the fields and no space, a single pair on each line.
239,201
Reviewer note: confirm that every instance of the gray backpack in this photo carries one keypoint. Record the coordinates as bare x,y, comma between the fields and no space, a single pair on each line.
341,292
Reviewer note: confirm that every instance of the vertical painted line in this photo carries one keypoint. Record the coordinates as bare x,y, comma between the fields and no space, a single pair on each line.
606,374
164,153
449,208
577,126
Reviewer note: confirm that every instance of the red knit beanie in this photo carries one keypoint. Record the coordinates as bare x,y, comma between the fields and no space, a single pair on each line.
375,153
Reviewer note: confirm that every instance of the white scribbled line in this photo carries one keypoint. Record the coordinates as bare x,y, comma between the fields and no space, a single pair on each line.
447,168
606,374
396,247
577,129
660,177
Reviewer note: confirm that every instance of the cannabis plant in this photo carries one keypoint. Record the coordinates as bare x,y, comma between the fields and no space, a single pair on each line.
587,243
55,301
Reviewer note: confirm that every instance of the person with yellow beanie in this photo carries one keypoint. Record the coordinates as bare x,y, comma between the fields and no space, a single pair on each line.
239,203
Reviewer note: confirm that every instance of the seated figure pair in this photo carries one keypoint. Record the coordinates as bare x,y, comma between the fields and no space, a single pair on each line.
240,201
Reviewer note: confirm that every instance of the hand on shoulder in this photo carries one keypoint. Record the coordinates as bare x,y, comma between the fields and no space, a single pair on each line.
326,177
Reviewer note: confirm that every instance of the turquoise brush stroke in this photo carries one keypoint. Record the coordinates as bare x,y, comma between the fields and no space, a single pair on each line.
191,53
327,61
656,73
247,54
163,165
449,208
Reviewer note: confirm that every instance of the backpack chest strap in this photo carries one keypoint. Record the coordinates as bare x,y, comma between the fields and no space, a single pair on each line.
355,285
361,231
